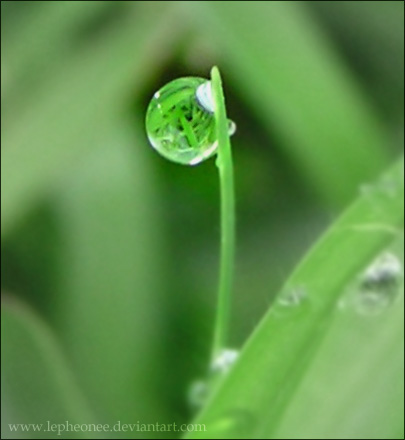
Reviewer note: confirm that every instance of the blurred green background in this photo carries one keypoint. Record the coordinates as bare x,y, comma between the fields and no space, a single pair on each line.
110,253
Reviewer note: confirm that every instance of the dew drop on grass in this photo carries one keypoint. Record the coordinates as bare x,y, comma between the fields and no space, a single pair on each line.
231,127
293,297
290,302
180,122
224,361
200,389
198,394
379,285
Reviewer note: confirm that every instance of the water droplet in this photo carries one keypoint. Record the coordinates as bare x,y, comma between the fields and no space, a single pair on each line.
224,361
379,285
198,394
231,127
180,122
290,302
293,297
200,390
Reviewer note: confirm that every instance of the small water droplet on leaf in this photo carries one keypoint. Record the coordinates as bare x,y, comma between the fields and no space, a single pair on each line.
293,297
224,361
200,390
198,394
379,285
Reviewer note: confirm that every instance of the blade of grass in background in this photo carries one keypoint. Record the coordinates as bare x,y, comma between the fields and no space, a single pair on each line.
371,37
108,307
79,106
37,384
284,66
53,30
74,153
253,398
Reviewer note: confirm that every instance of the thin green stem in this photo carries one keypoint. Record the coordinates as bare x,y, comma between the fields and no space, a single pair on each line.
225,166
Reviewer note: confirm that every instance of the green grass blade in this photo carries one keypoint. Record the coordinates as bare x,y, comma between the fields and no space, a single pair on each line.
76,111
109,297
282,63
355,386
37,384
253,398
225,169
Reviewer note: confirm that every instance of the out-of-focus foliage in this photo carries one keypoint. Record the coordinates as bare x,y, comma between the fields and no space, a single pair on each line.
109,253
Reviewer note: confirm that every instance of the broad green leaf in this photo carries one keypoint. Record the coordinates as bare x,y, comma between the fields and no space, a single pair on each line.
289,74
37,384
254,397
